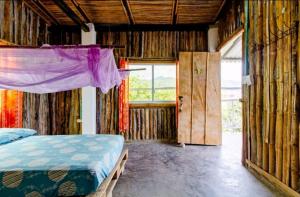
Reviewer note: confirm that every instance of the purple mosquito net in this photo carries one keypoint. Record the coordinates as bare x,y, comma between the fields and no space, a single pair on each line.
54,69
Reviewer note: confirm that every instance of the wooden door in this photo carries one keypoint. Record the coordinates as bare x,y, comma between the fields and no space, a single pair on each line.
213,134
184,94
199,98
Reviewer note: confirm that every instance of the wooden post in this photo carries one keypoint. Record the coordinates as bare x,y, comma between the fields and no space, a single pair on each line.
279,114
266,82
252,87
287,95
295,100
272,85
259,89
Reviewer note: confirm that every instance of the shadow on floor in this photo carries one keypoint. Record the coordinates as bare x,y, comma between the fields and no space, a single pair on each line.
163,170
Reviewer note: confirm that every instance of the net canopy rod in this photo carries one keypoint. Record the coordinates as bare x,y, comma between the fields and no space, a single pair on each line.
63,46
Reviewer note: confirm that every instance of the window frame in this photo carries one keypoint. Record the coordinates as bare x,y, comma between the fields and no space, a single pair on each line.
152,65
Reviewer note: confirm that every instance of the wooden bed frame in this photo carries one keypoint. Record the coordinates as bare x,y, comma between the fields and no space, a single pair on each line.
107,186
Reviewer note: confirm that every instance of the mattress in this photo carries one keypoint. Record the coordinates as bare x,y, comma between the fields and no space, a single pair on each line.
71,165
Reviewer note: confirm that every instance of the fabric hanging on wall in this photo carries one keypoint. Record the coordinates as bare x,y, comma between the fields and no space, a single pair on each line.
124,100
58,68
177,91
11,109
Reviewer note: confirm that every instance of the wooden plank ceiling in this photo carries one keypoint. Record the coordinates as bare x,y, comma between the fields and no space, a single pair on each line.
133,12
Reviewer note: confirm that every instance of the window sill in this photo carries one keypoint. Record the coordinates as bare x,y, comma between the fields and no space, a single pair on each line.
152,105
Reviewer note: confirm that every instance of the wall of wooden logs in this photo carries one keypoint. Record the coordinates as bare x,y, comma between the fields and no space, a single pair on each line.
230,19
107,112
59,113
145,46
20,25
47,113
152,123
155,44
56,113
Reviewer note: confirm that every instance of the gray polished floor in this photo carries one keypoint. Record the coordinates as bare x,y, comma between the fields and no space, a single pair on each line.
163,170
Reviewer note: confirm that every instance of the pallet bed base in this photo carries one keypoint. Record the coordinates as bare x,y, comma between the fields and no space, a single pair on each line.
107,186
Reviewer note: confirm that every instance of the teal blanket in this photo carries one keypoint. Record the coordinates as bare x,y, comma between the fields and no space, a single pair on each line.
71,165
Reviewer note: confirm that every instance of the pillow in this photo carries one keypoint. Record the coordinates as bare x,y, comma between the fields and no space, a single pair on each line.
8,135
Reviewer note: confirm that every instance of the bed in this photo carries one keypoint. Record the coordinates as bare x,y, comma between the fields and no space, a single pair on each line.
73,165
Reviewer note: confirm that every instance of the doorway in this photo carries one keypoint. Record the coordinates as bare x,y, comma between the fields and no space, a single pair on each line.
231,94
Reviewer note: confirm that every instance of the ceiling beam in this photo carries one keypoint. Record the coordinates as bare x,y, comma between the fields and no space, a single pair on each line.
165,27
126,28
70,13
219,10
127,11
42,8
37,11
174,13
81,11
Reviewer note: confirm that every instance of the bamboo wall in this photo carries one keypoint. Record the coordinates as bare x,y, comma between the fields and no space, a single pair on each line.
271,103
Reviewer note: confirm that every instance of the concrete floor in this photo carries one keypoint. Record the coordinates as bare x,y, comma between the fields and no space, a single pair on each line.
163,170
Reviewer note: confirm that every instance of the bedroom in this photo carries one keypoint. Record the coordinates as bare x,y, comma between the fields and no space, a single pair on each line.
158,108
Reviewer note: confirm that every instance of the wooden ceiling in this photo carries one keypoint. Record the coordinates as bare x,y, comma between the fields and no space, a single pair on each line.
133,12
151,12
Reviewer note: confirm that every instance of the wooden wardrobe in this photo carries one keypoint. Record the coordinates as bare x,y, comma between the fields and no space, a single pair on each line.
199,98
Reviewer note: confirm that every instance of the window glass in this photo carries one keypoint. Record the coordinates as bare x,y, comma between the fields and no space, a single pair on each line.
140,83
157,83
164,82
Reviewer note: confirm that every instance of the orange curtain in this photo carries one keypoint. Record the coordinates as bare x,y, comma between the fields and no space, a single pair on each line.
10,108
11,103
123,101
177,91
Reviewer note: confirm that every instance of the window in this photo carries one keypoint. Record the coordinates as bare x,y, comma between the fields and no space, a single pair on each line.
157,83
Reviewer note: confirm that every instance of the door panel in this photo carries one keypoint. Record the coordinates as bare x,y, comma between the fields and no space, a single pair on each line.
198,97
213,135
185,91
199,92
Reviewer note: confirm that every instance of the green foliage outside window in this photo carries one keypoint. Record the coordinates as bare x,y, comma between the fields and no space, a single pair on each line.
231,116
165,95
161,77
142,89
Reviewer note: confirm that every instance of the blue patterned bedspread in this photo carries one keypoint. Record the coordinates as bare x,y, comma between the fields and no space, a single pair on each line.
71,165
